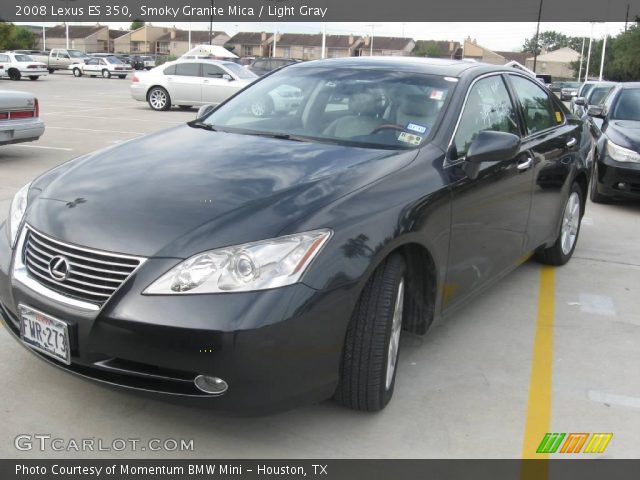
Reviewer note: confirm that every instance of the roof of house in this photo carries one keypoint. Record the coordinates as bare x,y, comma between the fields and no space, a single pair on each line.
113,34
562,55
75,31
247,38
519,57
391,43
197,36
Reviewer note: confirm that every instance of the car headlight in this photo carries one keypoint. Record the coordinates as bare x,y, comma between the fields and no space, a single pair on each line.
16,213
243,268
621,154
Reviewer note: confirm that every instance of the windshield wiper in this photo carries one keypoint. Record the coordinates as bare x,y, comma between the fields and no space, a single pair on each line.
280,136
203,125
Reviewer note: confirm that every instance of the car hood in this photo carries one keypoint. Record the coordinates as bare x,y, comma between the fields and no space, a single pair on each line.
185,190
625,133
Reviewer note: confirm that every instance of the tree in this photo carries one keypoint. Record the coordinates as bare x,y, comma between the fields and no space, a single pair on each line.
136,24
550,41
427,48
13,37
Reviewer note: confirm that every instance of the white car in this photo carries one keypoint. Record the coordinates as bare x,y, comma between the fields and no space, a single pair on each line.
105,67
17,65
19,118
189,83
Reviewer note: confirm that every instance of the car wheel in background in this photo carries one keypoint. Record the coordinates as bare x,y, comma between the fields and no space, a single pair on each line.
594,195
562,250
77,72
122,77
51,70
262,107
159,99
33,77
14,74
106,74
369,359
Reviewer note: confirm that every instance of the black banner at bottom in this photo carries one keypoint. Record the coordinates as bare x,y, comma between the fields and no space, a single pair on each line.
560,469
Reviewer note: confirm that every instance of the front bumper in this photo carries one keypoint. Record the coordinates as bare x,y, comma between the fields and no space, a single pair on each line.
618,179
276,349
20,131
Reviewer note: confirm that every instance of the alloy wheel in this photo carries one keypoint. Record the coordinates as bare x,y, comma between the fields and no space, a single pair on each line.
570,223
158,99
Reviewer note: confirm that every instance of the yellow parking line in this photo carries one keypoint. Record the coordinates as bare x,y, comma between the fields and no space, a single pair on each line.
540,384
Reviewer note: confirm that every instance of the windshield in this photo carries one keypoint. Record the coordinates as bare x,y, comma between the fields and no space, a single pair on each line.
23,58
75,54
368,108
627,105
598,93
239,71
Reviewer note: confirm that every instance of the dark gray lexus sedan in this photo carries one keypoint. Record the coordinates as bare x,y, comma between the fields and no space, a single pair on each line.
258,263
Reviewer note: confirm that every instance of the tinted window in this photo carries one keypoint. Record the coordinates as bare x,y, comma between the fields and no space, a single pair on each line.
627,105
170,70
539,112
488,107
239,71
598,93
209,70
4,58
188,69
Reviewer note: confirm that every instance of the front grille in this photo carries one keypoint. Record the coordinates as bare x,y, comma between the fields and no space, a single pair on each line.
93,276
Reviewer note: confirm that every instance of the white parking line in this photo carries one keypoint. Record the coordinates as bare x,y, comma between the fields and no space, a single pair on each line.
96,130
613,399
44,148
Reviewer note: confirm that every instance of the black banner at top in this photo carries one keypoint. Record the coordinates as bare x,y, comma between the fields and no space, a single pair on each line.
316,10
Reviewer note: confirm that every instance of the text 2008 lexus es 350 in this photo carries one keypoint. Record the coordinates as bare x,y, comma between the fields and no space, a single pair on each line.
264,262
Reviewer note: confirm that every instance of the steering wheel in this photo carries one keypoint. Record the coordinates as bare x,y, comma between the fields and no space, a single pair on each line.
388,126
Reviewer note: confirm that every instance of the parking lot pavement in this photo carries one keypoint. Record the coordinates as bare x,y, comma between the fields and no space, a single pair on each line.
533,354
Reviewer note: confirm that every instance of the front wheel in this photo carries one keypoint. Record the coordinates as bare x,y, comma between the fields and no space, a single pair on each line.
51,70
33,77
77,72
106,74
562,249
122,77
159,99
370,355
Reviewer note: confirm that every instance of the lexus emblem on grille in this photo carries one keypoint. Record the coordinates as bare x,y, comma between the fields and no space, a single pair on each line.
59,268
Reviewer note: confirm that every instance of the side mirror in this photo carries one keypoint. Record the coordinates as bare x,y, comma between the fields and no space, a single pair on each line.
596,111
226,76
205,110
490,146
580,101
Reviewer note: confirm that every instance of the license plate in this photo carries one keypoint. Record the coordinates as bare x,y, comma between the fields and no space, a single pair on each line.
45,333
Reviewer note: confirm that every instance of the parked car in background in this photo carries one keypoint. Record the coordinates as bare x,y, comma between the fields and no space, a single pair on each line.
262,66
298,247
148,62
556,87
188,83
615,125
569,90
593,96
60,58
17,65
19,118
105,67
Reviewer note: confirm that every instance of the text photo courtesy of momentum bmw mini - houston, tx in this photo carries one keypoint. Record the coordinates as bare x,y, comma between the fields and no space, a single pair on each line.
288,230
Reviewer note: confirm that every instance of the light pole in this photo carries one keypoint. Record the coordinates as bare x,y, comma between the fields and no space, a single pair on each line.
371,40
275,39
324,39
211,25
586,74
581,59
604,48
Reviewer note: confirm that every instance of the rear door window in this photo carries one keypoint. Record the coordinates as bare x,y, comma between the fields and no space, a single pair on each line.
188,69
540,112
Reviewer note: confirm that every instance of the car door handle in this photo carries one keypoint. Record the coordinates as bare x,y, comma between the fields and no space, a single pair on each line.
525,164
572,143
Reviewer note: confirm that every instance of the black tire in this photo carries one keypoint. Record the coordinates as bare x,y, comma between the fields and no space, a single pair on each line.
154,99
106,73
51,70
14,75
122,77
594,195
555,254
363,381
33,77
77,72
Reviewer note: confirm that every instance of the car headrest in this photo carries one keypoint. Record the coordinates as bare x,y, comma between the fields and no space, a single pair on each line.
364,103
419,106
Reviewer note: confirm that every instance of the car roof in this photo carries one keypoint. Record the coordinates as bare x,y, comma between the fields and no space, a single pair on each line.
629,85
201,60
434,66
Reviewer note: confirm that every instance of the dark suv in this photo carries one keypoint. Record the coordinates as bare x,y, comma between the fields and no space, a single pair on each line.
262,66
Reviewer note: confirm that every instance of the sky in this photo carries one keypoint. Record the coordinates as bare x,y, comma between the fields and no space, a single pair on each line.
502,36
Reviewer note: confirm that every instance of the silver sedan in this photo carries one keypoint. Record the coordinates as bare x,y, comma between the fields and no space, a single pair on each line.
189,83
19,118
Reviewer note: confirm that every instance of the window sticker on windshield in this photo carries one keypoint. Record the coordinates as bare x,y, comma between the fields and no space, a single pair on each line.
558,117
407,137
414,127
436,94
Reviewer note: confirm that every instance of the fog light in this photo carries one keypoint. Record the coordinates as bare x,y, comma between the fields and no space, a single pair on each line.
622,186
210,385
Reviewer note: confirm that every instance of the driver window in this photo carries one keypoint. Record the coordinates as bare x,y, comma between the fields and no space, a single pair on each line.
488,107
